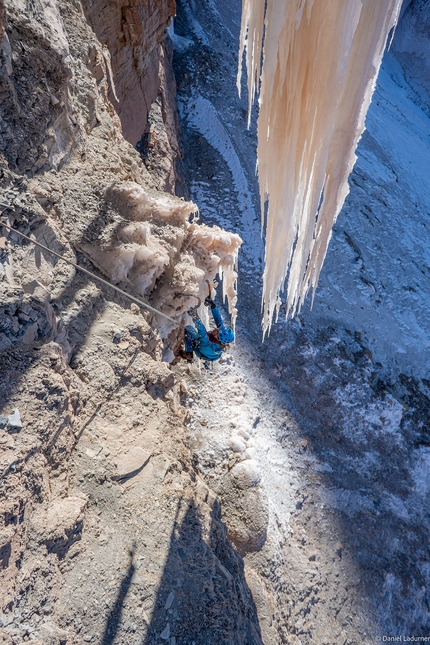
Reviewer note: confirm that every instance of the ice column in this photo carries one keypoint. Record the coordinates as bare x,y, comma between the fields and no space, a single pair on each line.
320,63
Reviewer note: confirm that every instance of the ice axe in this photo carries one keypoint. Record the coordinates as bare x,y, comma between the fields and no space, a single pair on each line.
210,290
208,299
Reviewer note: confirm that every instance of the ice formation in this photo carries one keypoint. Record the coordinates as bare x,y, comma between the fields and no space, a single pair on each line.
320,64
154,247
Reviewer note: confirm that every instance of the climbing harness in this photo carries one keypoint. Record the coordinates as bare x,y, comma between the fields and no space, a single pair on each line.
92,275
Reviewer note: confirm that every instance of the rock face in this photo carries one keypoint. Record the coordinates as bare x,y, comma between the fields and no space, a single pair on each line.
79,174
39,128
35,460
107,534
411,47
159,145
132,32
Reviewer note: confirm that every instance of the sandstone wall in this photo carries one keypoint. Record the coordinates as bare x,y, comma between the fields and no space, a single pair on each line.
132,32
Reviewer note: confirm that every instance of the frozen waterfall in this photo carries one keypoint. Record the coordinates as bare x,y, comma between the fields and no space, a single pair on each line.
320,64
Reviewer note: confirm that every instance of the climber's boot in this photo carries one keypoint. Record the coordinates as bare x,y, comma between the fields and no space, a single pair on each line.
193,311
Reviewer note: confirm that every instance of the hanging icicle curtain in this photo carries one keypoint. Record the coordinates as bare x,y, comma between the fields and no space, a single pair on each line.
320,63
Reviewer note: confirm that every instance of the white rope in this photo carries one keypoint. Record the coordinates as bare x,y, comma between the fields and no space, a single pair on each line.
92,275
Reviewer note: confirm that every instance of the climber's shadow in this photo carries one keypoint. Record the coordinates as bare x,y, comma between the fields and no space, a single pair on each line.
115,614
203,596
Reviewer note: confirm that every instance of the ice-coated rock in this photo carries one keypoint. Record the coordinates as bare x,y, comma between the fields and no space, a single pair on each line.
243,433
237,444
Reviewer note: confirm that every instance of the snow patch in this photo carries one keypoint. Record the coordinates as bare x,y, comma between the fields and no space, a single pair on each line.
180,44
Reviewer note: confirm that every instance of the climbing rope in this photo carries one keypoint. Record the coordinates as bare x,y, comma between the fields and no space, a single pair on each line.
92,275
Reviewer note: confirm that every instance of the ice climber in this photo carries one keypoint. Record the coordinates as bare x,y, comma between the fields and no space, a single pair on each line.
206,345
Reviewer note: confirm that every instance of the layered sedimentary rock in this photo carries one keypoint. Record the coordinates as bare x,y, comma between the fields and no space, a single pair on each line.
132,33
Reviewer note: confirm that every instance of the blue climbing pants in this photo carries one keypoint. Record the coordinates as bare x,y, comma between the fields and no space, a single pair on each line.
197,341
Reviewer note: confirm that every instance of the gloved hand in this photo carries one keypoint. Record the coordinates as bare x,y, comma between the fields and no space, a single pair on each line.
209,302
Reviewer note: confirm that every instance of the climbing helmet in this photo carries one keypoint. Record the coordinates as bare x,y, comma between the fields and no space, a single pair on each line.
226,335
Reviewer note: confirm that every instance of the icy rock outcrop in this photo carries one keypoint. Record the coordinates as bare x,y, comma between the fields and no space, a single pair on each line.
157,250
321,60
246,474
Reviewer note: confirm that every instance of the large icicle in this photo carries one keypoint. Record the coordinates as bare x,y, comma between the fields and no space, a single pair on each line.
321,60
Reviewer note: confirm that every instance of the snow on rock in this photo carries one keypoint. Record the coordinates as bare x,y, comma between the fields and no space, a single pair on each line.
203,117
374,281
180,44
412,49
237,444
321,61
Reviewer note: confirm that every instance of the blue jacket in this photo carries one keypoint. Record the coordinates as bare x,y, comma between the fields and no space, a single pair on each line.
197,340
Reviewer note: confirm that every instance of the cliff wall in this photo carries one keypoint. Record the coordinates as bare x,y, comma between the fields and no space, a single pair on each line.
102,510
132,33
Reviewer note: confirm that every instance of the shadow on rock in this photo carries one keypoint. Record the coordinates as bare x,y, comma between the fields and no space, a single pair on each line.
114,618
203,596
